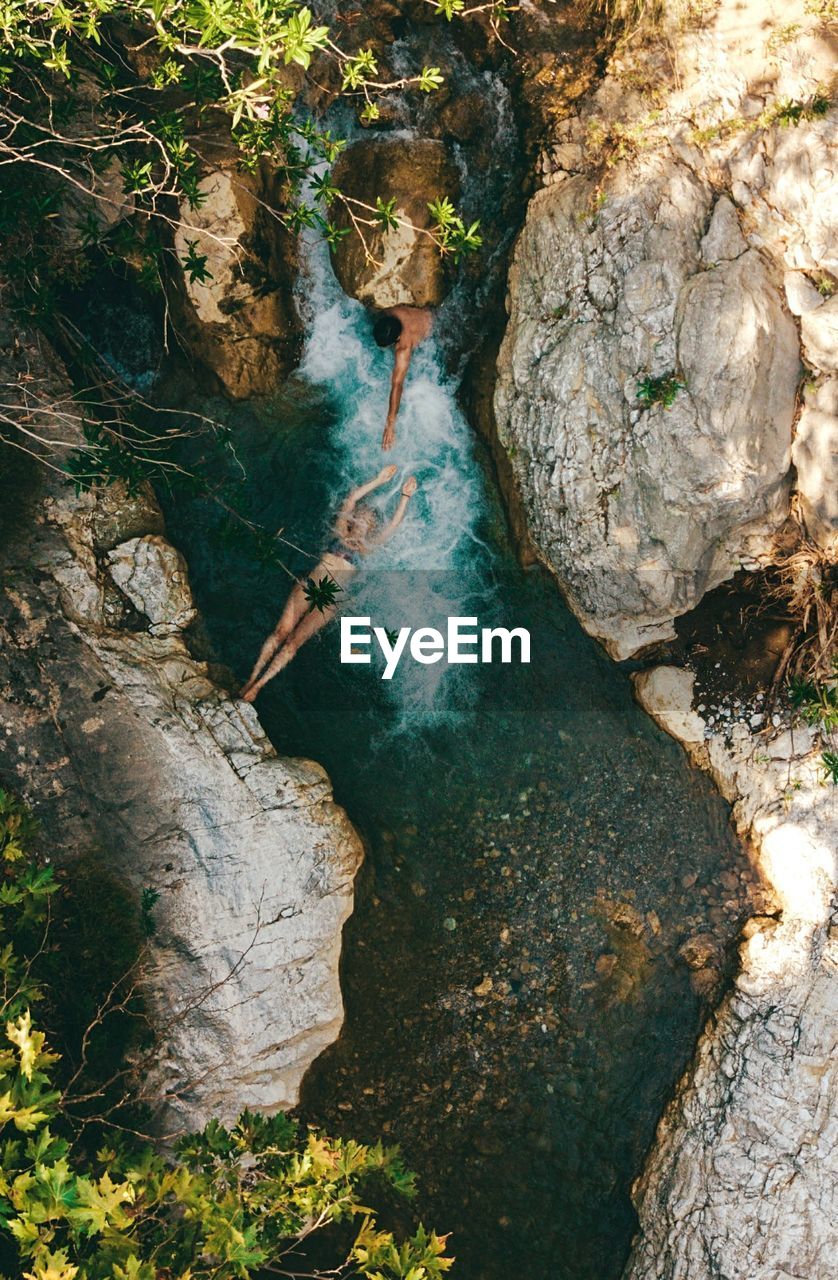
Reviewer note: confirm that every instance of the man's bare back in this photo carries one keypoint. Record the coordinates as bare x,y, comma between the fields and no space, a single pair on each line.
415,324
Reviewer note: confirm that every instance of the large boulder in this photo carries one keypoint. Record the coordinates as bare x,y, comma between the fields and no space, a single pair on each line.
402,264
130,752
641,508
819,330
152,574
234,300
815,456
673,242
743,1177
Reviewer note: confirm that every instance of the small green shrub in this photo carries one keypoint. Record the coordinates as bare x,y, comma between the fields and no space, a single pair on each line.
791,111
785,112
826,10
662,390
321,595
228,1204
816,703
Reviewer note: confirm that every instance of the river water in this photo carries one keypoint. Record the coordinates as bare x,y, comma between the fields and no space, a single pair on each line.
517,1013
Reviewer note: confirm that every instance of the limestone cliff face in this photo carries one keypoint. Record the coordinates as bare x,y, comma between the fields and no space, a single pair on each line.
680,233
124,743
743,1177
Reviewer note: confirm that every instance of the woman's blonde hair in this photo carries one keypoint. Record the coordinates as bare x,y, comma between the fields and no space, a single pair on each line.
364,520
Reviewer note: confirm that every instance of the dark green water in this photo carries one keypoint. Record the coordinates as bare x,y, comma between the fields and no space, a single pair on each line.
530,833
526,824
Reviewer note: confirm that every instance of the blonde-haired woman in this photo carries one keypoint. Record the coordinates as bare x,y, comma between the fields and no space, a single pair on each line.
357,533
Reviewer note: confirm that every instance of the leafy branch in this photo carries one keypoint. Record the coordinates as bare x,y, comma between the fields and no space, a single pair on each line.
199,57
228,1203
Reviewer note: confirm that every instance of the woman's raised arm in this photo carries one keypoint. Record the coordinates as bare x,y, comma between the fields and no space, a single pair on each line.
355,495
386,532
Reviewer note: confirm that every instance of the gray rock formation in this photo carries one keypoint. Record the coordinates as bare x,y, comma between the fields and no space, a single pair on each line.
815,455
641,509
153,576
743,1177
659,249
399,264
124,743
819,331
696,241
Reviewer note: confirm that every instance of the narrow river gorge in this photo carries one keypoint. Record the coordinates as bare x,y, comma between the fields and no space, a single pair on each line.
562,930
538,851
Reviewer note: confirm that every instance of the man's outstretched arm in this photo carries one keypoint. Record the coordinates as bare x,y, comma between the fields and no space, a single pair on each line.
400,368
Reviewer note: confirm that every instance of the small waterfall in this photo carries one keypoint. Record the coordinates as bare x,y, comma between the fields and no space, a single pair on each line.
437,564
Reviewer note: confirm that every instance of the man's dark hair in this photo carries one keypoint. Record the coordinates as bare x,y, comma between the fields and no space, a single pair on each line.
386,330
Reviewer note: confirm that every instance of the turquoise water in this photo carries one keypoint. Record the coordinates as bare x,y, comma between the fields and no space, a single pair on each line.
507,811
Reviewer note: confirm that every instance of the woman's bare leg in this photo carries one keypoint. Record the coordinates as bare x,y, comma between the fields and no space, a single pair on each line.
305,629
295,607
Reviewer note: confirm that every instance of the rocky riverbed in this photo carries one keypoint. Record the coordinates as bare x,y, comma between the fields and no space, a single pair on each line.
553,899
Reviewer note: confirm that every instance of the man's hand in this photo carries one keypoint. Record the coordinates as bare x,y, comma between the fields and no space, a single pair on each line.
387,473
389,437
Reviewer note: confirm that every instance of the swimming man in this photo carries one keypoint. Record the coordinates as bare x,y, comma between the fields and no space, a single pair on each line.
402,328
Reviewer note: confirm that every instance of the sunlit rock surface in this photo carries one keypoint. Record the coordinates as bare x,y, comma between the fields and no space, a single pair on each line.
815,455
683,256
743,1177
819,329
126,746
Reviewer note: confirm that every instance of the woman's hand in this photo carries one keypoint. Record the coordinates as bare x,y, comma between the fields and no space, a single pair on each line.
409,487
387,473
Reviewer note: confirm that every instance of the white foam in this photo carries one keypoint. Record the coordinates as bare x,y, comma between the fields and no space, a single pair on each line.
402,583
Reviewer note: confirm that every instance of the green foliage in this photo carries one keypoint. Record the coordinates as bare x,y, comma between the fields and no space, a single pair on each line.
430,78
25,890
496,10
783,112
321,595
108,457
148,901
826,10
385,213
791,111
221,56
816,703
453,234
195,264
229,1203
782,36
359,69
662,390
17,828
829,760
612,141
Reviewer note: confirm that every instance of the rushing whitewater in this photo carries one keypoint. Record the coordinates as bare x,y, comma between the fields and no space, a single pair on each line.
437,564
